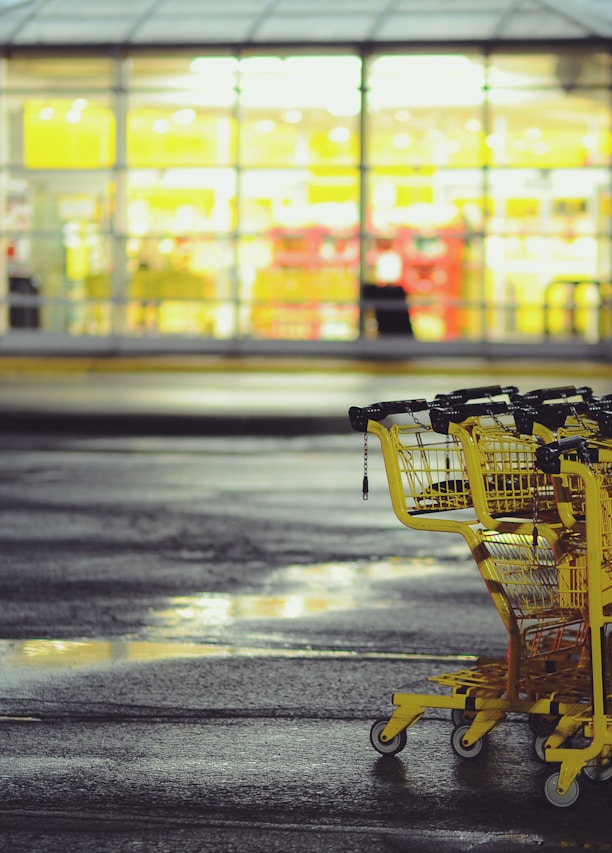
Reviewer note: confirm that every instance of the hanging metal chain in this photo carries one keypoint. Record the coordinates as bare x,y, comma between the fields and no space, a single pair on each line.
583,424
420,423
365,487
535,513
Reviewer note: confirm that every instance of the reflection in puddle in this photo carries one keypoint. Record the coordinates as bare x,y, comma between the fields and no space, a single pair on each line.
72,654
291,593
295,592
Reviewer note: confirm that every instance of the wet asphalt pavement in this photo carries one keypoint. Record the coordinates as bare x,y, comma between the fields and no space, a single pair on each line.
199,630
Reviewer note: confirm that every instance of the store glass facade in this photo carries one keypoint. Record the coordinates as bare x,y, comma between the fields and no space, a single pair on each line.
300,197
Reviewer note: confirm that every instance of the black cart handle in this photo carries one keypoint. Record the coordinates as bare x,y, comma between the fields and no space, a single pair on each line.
464,395
548,457
441,418
549,415
360,415
560,393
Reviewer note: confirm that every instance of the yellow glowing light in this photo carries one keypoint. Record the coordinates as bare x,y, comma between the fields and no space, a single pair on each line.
47,113
292,116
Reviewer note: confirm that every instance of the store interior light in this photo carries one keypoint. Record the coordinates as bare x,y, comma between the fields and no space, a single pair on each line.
345,105
214,65
533,134
265,126
402,141
339,134
293,116
185,116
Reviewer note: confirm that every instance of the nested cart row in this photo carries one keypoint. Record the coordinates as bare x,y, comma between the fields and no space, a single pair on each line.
526,480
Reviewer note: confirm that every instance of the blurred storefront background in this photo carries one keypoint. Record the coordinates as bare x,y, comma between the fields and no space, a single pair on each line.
312,197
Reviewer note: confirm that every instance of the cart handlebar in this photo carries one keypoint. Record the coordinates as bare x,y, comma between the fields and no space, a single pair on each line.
464,395
548,456
360,415
441,418
560,393
550,415
604,421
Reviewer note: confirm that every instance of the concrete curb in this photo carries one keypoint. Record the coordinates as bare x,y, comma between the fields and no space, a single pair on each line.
15,365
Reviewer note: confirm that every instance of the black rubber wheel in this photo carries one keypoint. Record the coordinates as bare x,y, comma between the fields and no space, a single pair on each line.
476,750
389,747
598,773
554,799
459,717
538,743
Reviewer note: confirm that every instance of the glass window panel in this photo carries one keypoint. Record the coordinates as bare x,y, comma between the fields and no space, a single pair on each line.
69,275
426,266
424,110
56,231
272,198
181,281
200,75
527,290
180,286
300,284
181,111
567,69
75,132
549,127
177,203
174,131
299,111
419,198
568,202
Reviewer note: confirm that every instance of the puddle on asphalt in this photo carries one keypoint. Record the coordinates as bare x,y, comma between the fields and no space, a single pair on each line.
293,592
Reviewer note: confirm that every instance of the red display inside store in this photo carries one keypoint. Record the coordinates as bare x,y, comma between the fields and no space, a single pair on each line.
429,269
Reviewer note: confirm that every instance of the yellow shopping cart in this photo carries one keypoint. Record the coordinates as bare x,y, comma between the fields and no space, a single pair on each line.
467,469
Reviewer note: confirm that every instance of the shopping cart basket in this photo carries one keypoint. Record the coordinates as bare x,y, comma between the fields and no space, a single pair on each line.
593,760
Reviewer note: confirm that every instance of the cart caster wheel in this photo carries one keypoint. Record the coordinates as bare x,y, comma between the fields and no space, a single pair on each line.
388,747
538,743
460,717
561,802
597,772
474,751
